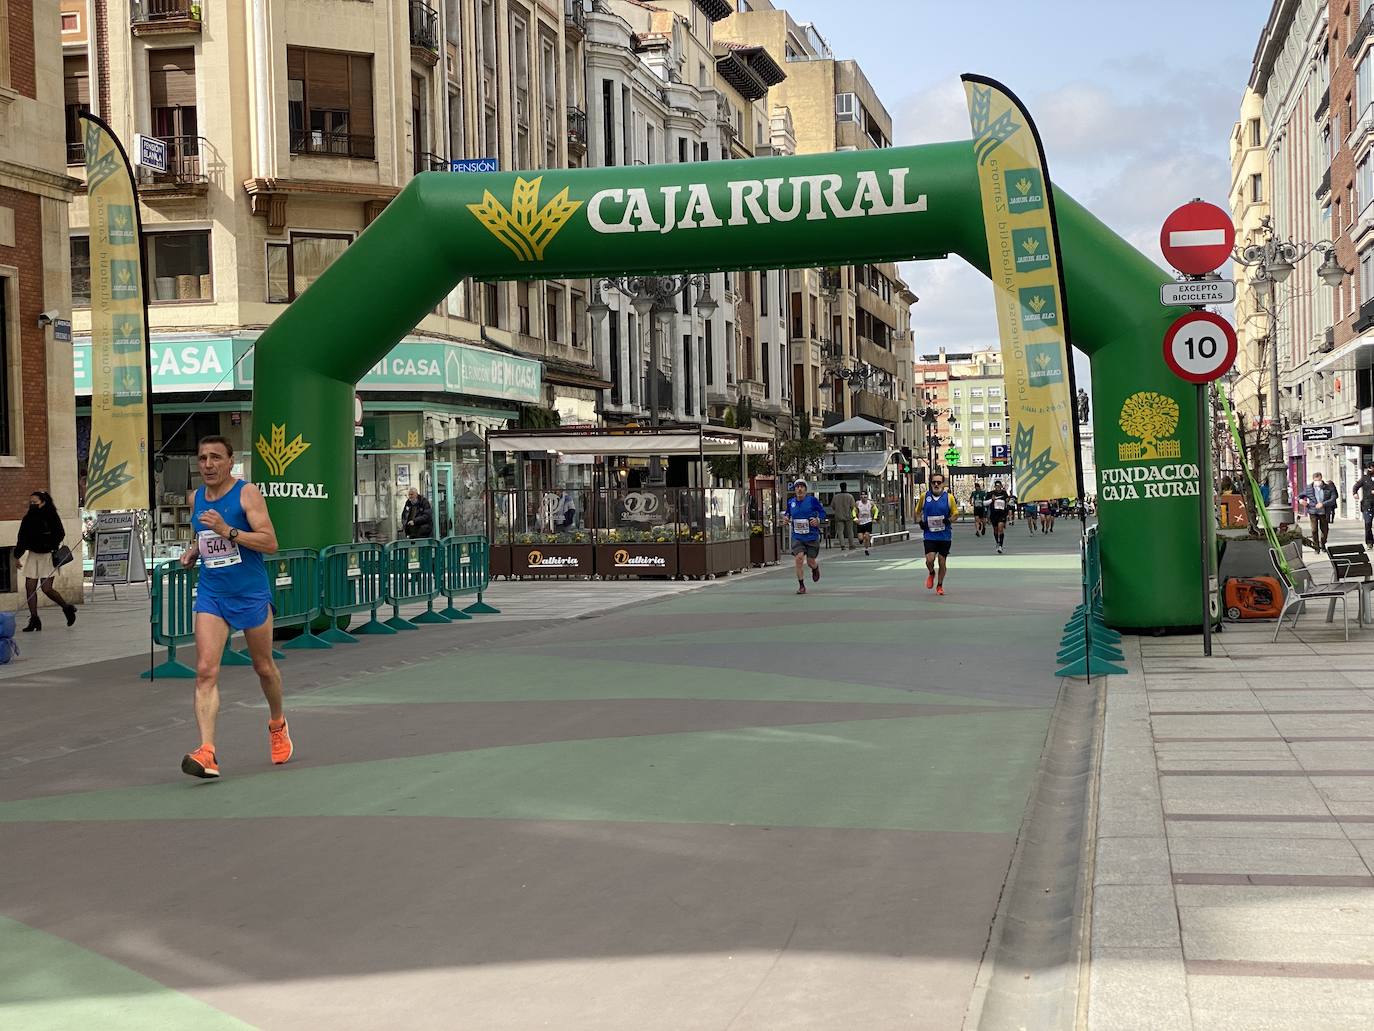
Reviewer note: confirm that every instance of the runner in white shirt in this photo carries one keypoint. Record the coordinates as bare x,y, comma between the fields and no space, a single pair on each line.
866,512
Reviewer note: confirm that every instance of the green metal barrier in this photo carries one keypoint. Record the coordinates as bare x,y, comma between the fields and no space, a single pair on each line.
174,623
465,562
479,606
295,578
413,568
1089,646
353,578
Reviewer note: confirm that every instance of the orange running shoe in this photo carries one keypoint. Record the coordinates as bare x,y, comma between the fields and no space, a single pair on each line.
281,742
940,590
200,763
930,581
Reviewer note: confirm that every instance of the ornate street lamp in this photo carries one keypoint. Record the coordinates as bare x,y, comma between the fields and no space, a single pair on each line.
652,295
1273,261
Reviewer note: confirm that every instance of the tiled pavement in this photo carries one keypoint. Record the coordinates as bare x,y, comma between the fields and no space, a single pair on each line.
1234,877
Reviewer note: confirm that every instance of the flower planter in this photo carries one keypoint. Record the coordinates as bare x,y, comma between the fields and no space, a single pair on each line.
763,550
712,559
500,560
551,560
614,561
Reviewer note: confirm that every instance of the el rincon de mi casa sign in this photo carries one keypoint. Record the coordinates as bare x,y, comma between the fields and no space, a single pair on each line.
815,210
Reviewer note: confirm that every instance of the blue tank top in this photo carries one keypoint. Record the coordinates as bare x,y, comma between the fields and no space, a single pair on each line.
243,579
936,511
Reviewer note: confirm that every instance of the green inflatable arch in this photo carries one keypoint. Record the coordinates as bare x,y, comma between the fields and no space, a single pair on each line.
832,209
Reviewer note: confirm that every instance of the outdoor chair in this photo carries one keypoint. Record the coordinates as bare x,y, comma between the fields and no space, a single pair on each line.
1300,588
1351,563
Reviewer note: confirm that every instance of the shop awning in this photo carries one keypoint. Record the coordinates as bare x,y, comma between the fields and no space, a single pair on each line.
854,463
631,442
854,427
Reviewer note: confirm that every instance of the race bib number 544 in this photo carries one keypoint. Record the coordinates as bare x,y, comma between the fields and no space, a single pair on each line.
216,551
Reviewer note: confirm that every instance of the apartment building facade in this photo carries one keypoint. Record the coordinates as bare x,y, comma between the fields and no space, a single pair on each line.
37,415
1307,116
846,324
663,89
1249,204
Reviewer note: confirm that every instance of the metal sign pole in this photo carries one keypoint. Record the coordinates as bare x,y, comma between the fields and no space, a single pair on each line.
1204,515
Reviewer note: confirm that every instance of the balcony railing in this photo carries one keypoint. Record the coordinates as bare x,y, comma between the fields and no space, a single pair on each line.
427,162
575,15
334,144
1361,33
1325,186
424,27
1366,317
151,12
76,152
1322,104
577,128
185,164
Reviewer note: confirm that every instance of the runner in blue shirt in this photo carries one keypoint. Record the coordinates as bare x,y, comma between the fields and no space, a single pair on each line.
805,514
233,533
936,512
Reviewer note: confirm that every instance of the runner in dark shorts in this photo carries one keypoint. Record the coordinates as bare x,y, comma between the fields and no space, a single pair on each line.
1000,508
979,498
866,511
805,514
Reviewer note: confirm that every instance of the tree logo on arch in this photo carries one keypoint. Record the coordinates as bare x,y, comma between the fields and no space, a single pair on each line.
1149,417
525,227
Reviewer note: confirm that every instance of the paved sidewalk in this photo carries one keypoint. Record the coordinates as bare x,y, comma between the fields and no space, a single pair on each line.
1234,879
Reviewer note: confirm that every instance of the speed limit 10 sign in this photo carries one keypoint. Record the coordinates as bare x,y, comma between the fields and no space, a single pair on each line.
1200,347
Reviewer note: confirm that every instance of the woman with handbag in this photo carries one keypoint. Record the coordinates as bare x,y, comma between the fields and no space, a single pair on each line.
40,535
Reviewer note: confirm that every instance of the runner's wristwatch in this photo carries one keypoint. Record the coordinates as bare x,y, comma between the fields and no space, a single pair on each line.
234,533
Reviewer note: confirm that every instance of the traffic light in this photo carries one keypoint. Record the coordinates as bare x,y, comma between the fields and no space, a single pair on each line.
906,461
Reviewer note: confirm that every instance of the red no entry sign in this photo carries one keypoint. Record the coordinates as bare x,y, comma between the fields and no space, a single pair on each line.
1200,347
1197,238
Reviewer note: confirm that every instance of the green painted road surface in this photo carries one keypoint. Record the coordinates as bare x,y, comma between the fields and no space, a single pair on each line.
731,808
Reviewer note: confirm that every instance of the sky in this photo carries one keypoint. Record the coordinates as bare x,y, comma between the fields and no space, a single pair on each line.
1135,104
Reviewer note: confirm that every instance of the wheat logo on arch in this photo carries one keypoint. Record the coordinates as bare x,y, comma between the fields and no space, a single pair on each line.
525,227
278,454
1150,417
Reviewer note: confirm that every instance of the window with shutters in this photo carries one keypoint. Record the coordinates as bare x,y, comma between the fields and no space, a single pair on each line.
172,97
329,103
77,100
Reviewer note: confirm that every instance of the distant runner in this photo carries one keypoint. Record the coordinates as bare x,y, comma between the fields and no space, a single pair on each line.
1046,517
936,512
866,512
805,513
233,532
979,498
1030,513
999,507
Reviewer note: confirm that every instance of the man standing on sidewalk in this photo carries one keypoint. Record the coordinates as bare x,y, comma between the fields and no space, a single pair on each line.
805,514
1364,487
1320,499
843,504
232,533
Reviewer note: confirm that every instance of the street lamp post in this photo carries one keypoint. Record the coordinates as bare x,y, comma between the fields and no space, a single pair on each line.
930,416
652,299
1274,260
